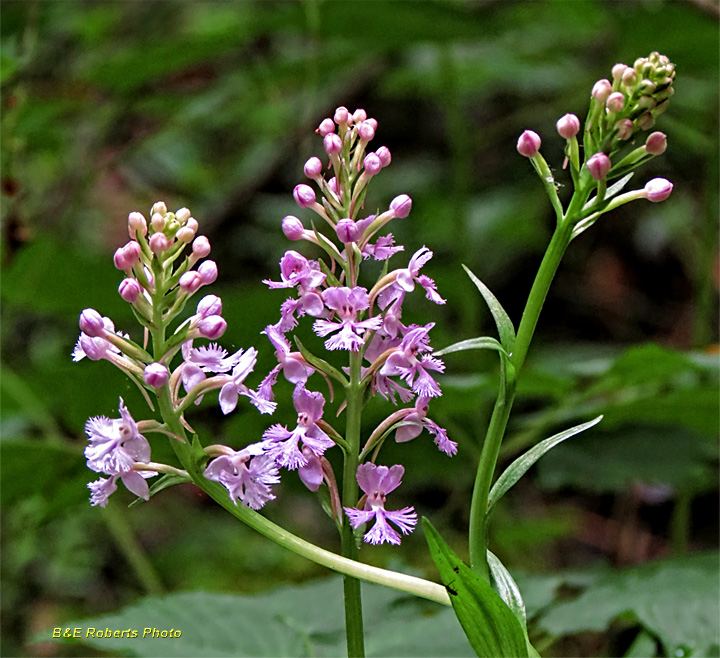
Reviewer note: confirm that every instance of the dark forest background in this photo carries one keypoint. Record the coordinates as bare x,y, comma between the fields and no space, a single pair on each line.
110,106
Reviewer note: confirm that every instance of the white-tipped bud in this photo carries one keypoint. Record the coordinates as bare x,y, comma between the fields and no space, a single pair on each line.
658,189
158,222
201,246
137,222
185,234
618,70
601,90
160,208
182,215
615,101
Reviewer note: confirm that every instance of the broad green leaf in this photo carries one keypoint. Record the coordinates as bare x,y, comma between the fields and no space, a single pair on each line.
293,621
480,343
643,646
675,600
490,625
609,461
502,320
523,463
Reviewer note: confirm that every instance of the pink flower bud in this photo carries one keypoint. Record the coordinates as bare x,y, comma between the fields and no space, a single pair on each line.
91,323
372,164
568,126
528,143
618,70
645,121
658,189
359,115
347,230
304,195
208,272
401,205
160,208
341,115
326,126
182,215
615,101
313,167
332,144
292,227
209,305
192,224
212,327
624,129
158,222
136,222
120,259
366,131
130,290
656,143
373,123
601,90
599,165
158,243
384,154
201,246
332,184
190,282
185,234
629,77
155,375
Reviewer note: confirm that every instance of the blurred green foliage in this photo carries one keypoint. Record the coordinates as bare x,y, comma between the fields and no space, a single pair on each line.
109,106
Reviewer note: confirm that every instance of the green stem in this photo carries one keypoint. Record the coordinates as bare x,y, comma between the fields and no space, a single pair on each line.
501,412
351,586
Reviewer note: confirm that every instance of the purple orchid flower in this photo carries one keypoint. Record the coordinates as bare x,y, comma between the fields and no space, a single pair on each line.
296,270
200,360
96,348
377,482
346,302
420,420
282,444
383,248
414,371
406,279
247,474
115,446
234,386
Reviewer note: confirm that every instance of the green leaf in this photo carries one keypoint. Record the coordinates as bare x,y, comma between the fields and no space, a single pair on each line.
293,621
502,320
675,600
490,625
167,480
507,587
643,645
523,463
320,364
480,343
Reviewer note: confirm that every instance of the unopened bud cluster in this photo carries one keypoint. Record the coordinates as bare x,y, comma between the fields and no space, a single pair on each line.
620,109
163,267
